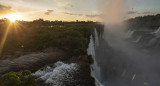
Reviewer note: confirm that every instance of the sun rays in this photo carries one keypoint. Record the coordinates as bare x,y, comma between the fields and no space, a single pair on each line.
13,17
13,27
4,38
13,24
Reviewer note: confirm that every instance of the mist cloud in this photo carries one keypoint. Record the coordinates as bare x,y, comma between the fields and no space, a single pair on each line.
114,11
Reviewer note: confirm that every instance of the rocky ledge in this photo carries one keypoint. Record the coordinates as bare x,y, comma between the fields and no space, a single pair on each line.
52,67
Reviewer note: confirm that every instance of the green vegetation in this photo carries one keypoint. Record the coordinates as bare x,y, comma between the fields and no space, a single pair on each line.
91,60
150,21
20,78
73,37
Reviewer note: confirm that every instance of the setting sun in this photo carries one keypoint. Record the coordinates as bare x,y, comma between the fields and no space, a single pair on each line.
14,16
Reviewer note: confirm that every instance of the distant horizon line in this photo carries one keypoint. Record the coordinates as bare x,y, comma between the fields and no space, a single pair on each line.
78,20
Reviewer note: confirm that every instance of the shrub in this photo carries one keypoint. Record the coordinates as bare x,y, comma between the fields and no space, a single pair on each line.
91,60
21,78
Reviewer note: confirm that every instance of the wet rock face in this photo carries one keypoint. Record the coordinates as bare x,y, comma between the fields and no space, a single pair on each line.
32,61
73,72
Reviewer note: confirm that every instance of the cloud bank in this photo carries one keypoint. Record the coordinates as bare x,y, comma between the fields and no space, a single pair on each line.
5,10
87,15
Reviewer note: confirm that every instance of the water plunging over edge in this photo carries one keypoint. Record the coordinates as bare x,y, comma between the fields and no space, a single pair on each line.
95,69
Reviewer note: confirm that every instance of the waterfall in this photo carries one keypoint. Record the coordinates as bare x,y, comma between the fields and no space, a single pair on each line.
91,51
97,83
96,37
154,40
129,34
138,39
57,74
157,32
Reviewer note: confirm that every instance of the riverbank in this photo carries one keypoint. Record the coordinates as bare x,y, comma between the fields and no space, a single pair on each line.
41,60
33,61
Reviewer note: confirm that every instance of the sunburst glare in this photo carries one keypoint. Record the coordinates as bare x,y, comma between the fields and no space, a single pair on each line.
10,26
14,16
4,38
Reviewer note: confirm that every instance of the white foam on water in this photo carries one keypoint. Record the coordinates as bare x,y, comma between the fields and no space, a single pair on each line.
57,74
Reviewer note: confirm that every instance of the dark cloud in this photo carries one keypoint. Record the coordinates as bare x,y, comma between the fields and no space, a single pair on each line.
68,6
147,12
91,16
132,12
73,14
5,9
48,12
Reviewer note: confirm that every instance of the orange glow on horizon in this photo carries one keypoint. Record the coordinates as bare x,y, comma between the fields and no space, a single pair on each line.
13,17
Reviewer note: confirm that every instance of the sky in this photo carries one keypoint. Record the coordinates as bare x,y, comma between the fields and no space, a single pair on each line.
72,10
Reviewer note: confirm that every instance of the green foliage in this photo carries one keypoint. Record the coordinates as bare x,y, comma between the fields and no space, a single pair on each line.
10,79
38,35
21,78
150,21
91,60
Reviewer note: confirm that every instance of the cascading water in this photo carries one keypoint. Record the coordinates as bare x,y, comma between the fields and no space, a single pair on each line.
147,38
155,40
152,42
124,64
129,33
138,39
96,37
57,74
157,32
91,51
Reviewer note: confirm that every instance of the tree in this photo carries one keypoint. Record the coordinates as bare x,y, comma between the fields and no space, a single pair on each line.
21,78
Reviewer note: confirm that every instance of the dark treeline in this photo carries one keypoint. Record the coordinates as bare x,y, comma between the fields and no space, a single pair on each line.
145,22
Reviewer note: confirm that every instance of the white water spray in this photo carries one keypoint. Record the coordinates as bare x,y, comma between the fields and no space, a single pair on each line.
57,74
